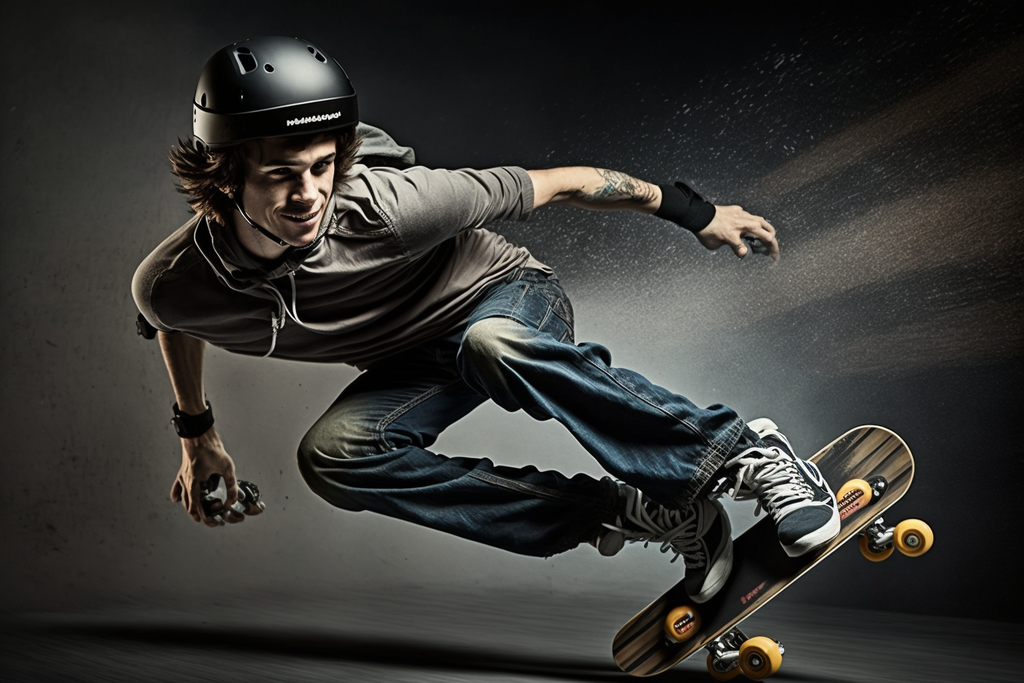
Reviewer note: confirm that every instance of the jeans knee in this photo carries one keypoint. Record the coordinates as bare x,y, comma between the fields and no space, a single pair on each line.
323,455
323,446
486,348
490,340
310,459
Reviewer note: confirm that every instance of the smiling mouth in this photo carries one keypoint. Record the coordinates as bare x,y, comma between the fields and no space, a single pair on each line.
302,218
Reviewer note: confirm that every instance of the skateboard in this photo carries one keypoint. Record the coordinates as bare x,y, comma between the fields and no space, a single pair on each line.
869,468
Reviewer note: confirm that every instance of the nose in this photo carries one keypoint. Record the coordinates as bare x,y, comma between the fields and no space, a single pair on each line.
304,191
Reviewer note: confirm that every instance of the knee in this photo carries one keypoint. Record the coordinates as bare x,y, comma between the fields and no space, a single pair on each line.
325,445
312,458
493,353
325,458
490,342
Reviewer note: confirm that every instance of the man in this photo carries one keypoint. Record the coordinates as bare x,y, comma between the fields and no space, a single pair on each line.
316,240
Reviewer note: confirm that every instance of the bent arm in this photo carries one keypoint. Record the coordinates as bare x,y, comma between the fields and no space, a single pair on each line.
204,455
183,356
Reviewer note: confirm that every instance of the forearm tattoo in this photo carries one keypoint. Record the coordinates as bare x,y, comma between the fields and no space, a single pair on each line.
620,187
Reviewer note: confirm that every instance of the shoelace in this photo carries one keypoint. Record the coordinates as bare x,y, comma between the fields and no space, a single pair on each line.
676,534
773,477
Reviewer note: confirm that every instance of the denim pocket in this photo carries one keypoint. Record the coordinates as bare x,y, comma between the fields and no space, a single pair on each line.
534,299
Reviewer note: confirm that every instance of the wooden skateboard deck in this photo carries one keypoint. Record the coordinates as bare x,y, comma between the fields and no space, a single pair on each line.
761,568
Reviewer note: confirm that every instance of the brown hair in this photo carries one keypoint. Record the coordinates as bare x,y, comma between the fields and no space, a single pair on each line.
206,176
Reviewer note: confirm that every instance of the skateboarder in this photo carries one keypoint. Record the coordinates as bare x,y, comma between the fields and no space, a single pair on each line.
316,238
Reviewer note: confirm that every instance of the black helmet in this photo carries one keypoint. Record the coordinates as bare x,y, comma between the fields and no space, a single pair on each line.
270,87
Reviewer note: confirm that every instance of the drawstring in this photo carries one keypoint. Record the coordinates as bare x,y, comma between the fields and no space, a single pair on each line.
277,321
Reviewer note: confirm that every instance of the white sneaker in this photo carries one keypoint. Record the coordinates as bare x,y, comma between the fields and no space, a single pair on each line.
700,533
790,489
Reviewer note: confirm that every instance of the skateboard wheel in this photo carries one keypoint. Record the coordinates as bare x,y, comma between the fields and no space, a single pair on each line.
913,537
874,556
760,657
682,623
854,495
728,675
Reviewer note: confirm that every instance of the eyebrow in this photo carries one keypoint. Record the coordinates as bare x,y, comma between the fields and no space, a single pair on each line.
293,162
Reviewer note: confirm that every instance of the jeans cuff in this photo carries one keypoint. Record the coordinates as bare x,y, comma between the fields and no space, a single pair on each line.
717,453
603,513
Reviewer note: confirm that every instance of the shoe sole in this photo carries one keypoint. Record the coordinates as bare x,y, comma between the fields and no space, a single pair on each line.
711,590
723,566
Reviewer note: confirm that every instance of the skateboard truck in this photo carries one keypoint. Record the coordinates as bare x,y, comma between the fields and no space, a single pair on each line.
214,489
912,537
730,653
756,657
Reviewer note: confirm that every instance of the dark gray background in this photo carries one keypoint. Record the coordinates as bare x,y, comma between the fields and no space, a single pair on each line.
885,147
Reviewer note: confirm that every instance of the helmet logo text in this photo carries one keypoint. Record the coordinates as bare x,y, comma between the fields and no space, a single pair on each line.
313,119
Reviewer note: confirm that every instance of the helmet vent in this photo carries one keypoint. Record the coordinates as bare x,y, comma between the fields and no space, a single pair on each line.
269,68
246,62
316,53
202,100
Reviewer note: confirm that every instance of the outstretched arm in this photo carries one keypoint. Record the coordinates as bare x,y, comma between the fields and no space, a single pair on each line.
593,188
598,188
204,455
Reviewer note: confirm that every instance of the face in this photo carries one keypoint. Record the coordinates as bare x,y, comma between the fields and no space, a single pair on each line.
286,190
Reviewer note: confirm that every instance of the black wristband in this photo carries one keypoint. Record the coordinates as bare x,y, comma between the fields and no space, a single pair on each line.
683,206
190,426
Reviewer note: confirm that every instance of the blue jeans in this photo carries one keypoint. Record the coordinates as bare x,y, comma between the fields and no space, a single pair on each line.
369,451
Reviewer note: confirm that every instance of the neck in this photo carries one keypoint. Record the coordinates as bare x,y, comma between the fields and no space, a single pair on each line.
252,237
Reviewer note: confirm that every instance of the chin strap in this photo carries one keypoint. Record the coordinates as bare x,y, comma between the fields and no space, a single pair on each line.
256,226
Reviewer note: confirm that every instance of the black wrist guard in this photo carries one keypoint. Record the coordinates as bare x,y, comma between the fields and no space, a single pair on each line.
683,206
190,426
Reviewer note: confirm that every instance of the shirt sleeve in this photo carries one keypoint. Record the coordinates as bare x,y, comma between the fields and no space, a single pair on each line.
427,206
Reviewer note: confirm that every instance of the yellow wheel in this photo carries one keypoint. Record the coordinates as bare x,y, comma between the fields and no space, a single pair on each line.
720,675
760,657
682,623
853,495
913,537
866,551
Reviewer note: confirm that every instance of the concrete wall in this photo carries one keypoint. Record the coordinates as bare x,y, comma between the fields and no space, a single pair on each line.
884,148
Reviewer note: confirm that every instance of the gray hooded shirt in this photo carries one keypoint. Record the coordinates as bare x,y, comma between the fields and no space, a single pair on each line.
402,257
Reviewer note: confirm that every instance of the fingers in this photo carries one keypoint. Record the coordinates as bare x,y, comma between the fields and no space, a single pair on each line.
236,514
232,486
205,511
182,494
745,232
738,247
766,233
232,517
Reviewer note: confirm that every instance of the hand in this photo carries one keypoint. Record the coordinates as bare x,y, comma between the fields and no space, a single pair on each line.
731,224
201,458
215,495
